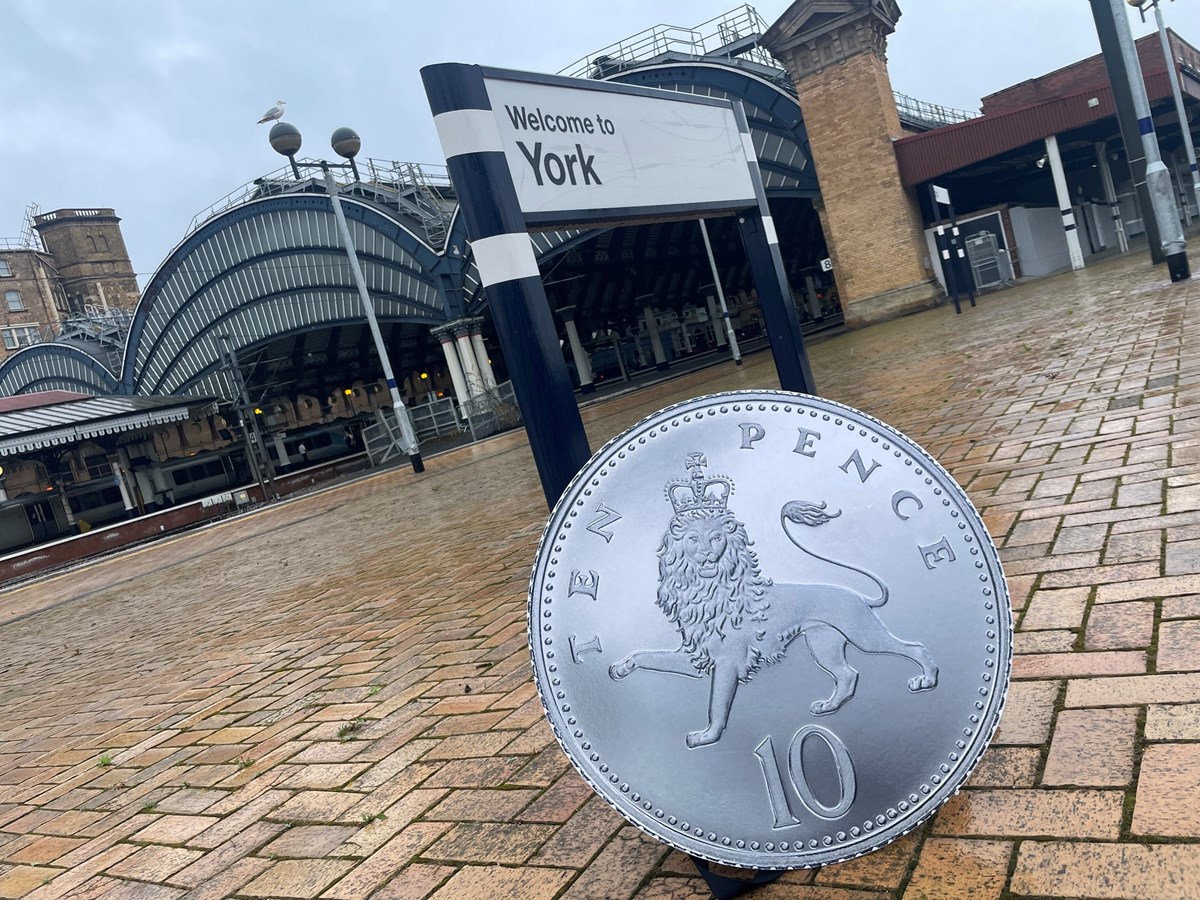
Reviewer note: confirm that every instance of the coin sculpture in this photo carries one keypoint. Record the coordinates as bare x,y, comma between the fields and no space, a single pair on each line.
770,630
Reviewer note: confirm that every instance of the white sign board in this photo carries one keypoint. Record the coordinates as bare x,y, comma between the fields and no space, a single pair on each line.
579,154
941,195
827,265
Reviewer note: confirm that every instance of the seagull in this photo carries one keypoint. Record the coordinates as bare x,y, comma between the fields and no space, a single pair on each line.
275,112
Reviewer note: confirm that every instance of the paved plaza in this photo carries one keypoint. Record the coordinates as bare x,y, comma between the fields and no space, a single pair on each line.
332,697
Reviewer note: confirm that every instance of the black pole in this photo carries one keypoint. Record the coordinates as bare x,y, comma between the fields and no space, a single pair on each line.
960,249
941,244
757,228
508,270
1131,136
779,312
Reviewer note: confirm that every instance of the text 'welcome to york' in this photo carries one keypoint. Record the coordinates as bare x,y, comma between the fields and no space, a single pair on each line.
576,168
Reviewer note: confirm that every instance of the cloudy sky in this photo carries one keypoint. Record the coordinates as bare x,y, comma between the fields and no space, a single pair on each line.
149,106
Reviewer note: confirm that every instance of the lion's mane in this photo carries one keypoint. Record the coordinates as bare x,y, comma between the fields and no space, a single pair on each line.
704,609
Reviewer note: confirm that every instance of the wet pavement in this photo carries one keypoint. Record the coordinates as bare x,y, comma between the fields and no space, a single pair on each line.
332,697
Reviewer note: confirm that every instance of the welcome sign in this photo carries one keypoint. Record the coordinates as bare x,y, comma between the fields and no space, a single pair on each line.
576,153
527,151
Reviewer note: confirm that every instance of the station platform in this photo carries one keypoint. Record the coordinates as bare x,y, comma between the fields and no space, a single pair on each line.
331,697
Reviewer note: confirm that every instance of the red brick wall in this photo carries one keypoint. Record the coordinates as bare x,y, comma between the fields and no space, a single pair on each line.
1082,75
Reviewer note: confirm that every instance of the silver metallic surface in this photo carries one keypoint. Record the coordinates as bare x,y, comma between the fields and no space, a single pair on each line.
770,630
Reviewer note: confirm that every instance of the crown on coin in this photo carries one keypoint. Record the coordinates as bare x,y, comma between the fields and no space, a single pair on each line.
698,492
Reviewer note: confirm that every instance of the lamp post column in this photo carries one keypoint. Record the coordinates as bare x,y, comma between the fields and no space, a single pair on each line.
408,435
712,264
1172,73
1124,69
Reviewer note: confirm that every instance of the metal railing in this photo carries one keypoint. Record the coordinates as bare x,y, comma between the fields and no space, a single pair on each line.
735,34
435,417
491,411
72,213
933,114
425,186
708,39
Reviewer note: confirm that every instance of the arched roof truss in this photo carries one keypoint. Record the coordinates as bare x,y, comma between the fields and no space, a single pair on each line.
267,269
54,367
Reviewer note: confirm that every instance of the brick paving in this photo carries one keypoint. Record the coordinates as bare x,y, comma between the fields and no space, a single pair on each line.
331,698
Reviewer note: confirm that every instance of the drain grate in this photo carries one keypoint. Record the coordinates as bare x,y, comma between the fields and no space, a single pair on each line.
1162,381
1125,402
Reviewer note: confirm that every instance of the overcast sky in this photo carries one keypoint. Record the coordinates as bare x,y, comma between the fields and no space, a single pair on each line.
149,106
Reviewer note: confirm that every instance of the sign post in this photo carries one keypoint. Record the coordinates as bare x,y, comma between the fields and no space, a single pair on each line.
542,152
954,257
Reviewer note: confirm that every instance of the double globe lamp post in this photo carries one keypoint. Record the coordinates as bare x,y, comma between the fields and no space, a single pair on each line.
285,139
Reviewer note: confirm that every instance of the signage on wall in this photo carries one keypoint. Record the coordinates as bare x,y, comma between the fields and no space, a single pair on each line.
575,152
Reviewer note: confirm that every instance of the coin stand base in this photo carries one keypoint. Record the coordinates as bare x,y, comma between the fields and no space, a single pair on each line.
725,888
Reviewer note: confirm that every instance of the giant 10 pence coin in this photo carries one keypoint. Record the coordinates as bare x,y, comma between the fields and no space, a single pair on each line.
770,630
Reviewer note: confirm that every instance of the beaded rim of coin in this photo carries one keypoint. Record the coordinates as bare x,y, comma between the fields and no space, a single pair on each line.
946,783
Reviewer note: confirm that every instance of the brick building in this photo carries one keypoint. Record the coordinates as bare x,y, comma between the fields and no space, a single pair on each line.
68,260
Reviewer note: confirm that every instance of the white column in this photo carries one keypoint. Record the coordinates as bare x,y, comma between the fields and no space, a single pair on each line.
281,451
481,356
466,353
119,475
583,366
1064,202
1110,196
718,323
446,336
660,358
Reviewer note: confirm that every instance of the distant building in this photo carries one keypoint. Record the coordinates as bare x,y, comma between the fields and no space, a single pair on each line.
66,262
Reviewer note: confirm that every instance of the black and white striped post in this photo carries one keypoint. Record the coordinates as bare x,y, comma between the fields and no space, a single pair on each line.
770,278
466,126
955,265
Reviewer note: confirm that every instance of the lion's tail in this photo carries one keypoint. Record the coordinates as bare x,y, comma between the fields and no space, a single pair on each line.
806,513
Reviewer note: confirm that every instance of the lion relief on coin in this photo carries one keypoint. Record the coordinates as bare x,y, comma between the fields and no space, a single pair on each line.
732,620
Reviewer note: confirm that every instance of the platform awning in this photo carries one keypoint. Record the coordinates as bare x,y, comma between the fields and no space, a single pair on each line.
58,423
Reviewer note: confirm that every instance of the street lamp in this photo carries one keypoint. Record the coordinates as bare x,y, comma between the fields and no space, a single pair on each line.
285,139
1125,75
1141,5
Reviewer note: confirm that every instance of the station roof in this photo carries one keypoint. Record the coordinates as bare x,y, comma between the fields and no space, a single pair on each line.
1033,110
52,418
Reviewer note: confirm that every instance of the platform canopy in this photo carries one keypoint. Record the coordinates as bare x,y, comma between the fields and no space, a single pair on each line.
32,422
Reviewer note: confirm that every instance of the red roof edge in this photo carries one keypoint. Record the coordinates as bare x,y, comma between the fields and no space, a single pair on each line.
922,157
38,399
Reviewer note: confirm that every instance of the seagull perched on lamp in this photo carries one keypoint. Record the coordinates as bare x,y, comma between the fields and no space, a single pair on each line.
275,112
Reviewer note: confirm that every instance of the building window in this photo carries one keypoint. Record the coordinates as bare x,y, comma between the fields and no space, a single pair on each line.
5,271
13,299
21,336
